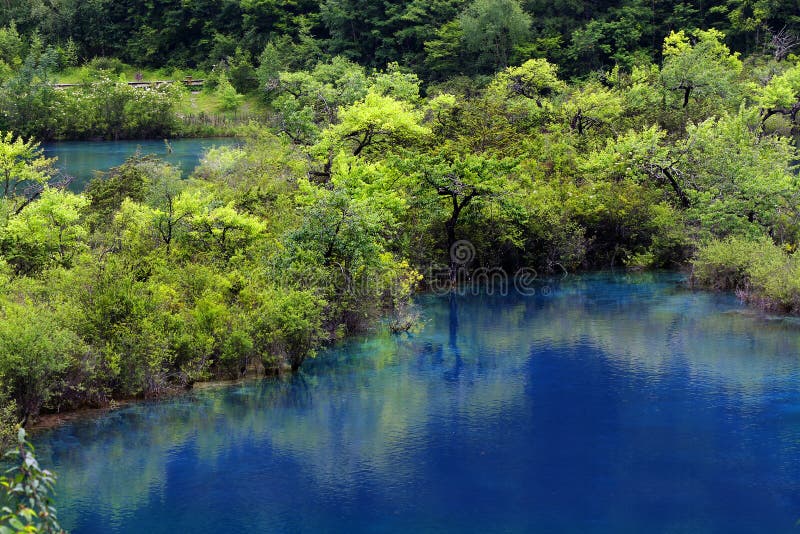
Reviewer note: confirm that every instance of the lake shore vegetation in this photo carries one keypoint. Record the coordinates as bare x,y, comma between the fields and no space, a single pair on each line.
366,160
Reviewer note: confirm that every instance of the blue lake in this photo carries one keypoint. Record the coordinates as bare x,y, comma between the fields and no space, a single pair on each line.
611,403
82,159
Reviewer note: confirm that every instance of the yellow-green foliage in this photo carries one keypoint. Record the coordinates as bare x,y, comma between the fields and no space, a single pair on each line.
28,503
357,190
149,282
706,65
760,270
373,122
21,162
781,91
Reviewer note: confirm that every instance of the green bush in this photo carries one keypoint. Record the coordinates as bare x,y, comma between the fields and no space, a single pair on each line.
8,420
758,270
229,98
726,265
36,350
285,325
108,64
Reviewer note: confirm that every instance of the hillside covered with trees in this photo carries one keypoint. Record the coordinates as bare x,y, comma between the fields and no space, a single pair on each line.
240,46
436,39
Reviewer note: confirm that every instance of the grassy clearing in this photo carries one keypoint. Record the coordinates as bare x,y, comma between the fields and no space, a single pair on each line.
196,103
209,103
87,73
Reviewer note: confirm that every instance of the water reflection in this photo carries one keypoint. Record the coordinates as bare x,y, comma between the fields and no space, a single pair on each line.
615,404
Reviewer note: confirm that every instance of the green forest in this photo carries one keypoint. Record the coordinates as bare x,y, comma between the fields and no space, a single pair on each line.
553,136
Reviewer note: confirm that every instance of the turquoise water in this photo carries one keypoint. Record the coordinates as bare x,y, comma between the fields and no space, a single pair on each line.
81,159
609,404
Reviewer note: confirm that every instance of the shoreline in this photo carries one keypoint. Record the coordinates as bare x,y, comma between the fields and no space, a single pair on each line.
134,139
54,420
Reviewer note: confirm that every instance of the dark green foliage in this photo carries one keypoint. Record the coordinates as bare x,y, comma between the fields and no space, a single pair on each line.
107,191
427,36
241,72
8,420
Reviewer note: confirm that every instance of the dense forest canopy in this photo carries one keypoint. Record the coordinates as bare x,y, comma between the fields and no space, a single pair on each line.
436,39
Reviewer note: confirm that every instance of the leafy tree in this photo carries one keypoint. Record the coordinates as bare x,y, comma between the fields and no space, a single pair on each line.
527,93
396,83
639,155
617,37
107,191
286,325
27,98
377,33
536,79
459,181
12,47
642,95
349,226
492,28
781,95
421,21
170,208
592,107
740,183
700,69
307,101
491,123
46,232
229,98
219,229
284,53
22,162
270,64
444,54
729,180
377,121
241,72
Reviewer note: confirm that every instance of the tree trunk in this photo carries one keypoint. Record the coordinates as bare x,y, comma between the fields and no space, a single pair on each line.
450,229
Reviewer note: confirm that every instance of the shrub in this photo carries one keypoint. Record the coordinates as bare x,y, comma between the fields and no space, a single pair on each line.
758,270
229,99
286,325
35,352
106,64
8,420
725,265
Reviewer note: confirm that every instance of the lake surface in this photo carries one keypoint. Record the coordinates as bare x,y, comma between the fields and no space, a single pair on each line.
603,404
81,159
